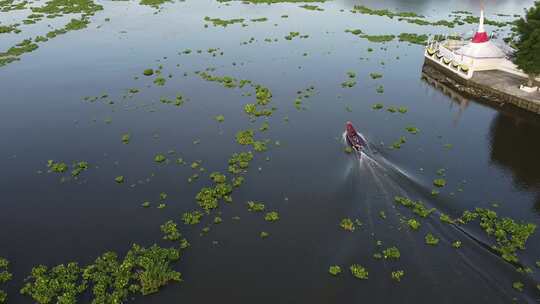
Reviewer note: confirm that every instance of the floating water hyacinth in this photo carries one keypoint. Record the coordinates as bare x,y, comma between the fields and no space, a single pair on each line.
334,270
271,216
347,224
359,272
397,275
431,240
391,253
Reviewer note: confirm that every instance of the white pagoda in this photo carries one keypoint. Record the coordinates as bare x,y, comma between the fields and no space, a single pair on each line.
465,57
480,53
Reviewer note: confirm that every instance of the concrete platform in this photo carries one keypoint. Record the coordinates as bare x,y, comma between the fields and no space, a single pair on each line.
506,83
496,86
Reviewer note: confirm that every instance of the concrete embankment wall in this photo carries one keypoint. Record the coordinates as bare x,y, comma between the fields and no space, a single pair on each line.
470,87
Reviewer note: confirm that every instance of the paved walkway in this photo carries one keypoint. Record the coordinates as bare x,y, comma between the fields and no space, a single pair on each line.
505,82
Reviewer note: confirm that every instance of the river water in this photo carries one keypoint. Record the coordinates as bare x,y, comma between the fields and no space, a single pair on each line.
490,154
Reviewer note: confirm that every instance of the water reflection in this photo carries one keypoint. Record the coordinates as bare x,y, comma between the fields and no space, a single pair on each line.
456,98
513,148
433,8
512,133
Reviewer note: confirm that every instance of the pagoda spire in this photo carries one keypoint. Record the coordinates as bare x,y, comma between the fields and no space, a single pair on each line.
481,25
481,35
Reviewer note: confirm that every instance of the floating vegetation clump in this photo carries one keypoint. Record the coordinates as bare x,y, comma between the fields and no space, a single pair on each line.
431,240
383,12
412,130
414,224
9,28
312,7
170,231
220,118
192,218
416,207
375,75
143,270
439,182
223,22
58,167
413,38
351,82
391,253
126,138
397,144
5,276
78,168
272,216
159,158
239,162
347,224
14,52
255,207
334,270
456,244
377,106
292,35
371,38
153,3
160,81
60,284
54,8
148,72
245,137
359,272
509,235
397,275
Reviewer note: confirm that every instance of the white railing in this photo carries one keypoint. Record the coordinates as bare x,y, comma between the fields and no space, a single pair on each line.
446,58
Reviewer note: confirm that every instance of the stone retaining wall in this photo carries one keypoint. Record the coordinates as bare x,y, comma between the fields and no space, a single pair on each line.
475,89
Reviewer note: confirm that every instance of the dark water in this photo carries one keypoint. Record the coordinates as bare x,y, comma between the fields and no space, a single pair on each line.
308,179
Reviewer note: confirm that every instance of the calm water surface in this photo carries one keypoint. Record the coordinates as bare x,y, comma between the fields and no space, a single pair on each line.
308,178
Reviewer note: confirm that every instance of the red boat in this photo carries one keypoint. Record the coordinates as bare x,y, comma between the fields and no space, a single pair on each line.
353,138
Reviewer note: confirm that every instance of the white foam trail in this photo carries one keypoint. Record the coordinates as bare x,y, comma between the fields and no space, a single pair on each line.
378,169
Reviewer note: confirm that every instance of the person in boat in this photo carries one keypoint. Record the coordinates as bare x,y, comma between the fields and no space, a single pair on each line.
352,137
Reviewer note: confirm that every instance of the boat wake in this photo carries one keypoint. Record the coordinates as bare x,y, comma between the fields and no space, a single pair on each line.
372,182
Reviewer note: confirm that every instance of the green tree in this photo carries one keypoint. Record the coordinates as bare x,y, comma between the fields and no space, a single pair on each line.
528,43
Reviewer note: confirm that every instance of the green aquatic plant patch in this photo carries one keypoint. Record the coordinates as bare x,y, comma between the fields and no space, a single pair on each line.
312,7
347,224
359,272
431,239
223,22
170,230
397,275
5,276
255,206
391,253
192,218
58,167
272,216
413,38
416,206
383,12
334,270
413,224
126,138
439,182
509,235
